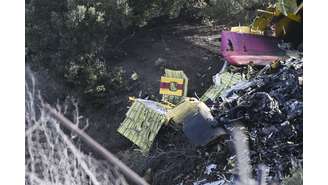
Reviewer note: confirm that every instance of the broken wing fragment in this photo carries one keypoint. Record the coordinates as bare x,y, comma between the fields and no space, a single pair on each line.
142,123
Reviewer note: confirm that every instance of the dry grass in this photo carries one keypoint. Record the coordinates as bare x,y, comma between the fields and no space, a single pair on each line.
51,156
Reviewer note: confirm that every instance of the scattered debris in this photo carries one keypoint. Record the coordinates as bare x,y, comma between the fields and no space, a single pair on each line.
271,109
268,104
134,76
258,43
177,75
265,97
146,117
209,168
221,82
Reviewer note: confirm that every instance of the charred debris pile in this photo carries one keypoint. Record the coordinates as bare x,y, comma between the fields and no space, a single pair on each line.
190,140
196,145
268,106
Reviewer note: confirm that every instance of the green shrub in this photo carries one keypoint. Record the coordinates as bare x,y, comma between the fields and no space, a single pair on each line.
69,39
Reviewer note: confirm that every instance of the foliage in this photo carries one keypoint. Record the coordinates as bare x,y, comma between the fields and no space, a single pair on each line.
71,38
76,40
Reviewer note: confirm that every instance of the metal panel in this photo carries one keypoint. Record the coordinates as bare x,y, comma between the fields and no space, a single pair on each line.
227,79
142,123
171,86
242,48
200,127
176,74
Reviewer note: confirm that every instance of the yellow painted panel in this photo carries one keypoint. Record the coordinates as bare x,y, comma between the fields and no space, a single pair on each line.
168,92
176,74
183,110
169,79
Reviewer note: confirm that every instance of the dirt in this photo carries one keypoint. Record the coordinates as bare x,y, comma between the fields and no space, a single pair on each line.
148,52
192,48
154,49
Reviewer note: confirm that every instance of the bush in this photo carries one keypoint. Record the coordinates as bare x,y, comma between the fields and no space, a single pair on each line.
75,39
70,38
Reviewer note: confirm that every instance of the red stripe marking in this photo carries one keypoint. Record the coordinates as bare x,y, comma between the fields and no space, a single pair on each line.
164,85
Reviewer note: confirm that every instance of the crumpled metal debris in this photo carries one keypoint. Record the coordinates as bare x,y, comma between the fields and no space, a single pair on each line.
222,81
196,121
270,105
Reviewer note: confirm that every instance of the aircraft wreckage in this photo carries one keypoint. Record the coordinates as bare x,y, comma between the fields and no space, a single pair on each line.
268,90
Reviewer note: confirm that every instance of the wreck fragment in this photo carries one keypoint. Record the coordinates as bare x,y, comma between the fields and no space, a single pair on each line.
172,97
171,86
142,123
178,114
223,81
243,48
270,106
198,126
258,42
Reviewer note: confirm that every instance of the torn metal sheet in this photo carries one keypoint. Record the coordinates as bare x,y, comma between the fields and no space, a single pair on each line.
222,81
178,74
179,113
142,122
230,94
242,48
200,127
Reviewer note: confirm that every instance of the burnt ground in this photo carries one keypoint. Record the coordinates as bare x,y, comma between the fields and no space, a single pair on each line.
177,47
192,48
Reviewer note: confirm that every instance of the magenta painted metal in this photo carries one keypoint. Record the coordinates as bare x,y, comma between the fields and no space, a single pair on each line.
243,48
